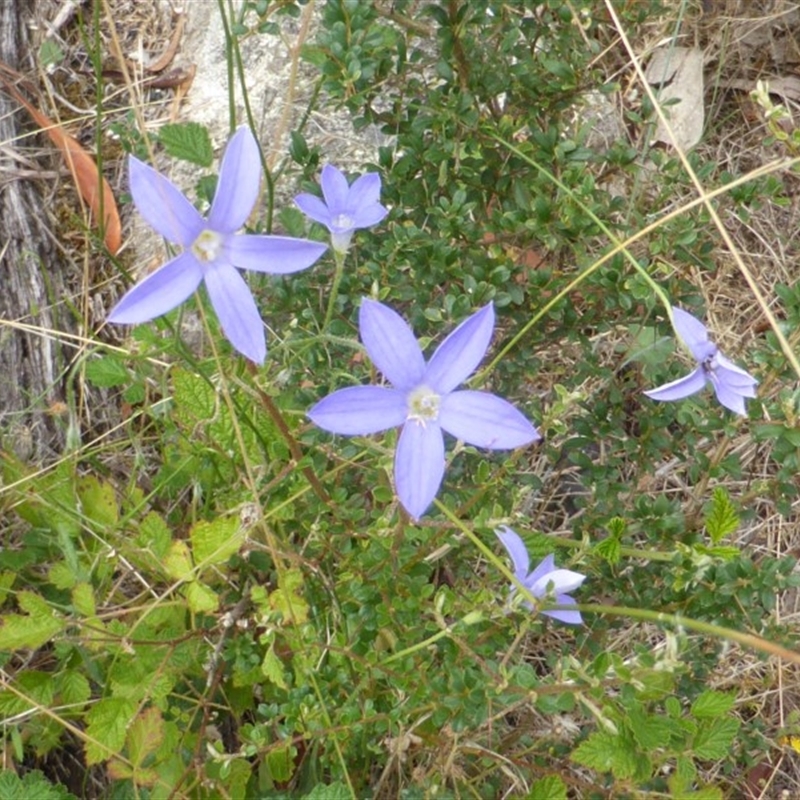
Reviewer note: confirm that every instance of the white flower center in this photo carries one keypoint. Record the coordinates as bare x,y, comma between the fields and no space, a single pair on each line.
423,405
207,246
342,222
710,364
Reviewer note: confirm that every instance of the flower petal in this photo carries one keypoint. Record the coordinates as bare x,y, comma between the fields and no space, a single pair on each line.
513,543
163,205
236,310
570,617
238,185
360,410
691,331
733,375
334,189
363,204
544,567
278,255
418,466
460,353
683,387
314,208
730,398
391,344
365,191
159,292
485,420
556,581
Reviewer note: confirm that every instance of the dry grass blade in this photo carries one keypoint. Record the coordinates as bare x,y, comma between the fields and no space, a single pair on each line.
82,166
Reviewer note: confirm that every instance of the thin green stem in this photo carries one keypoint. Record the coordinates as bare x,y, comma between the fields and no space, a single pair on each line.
337,279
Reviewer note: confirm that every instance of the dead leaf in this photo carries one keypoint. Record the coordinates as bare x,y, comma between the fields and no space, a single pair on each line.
677,75
82,166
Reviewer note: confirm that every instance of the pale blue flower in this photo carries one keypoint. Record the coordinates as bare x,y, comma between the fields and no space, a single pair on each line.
345,208
212,249
423,401
731,383
545,580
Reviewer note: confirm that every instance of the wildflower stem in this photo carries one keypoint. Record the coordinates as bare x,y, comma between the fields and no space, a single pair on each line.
294,448
337,279
678,621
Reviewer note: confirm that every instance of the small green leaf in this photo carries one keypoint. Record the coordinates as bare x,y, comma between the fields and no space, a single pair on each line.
280,763
145,735
107,372
107,727
201,599
287,600
712,704
188,141
272,667
713,738
83,600
98,501
333,791
73,687
609,549
216,541
32,784
550,787
721,519
650,731
597,752
178,562
32,630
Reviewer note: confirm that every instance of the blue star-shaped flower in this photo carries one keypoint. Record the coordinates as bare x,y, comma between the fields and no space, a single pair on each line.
731,383
345,208
212,249
545,580
422,399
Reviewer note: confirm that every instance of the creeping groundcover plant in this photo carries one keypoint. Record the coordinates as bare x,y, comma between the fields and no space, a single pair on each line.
422,399
212,248
438,539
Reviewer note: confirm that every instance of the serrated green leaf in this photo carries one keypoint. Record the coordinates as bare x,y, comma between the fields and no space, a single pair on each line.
712,704
684,776
195,401
597,752
107,372
145,735
280,763
201,599
713,738
107,727
73,687
83,600
272,667
178,561
216,541
287,599
188,141
650,731
7,579
550,787
98,501
31,785
331,791
609,549
721,519
31,630
154,535
62,576
34,689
